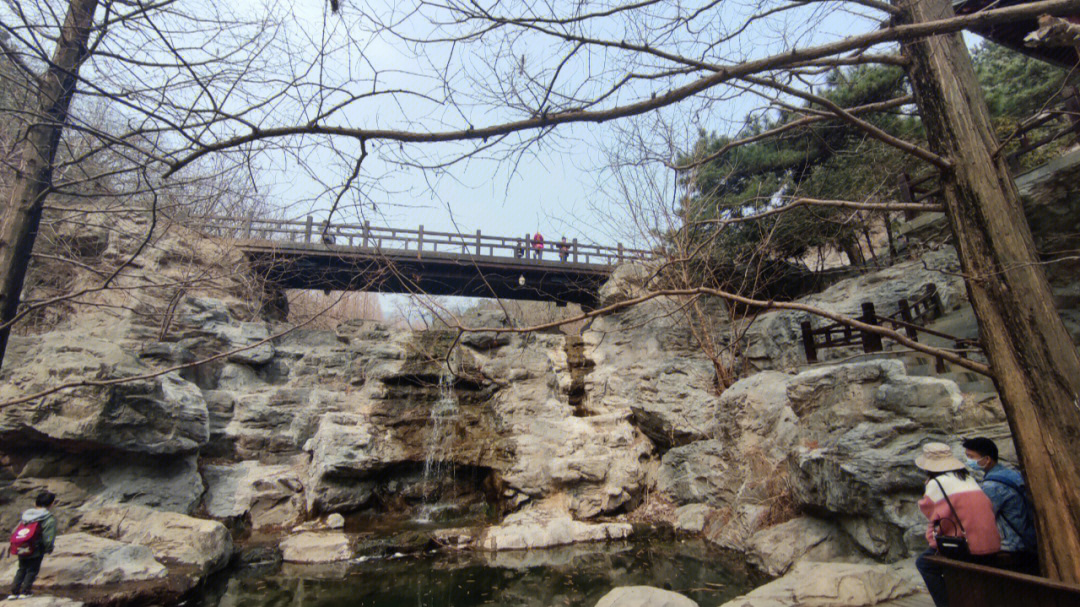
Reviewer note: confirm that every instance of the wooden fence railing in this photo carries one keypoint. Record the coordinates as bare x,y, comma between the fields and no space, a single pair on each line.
1066,111
909,318
971,585
384,239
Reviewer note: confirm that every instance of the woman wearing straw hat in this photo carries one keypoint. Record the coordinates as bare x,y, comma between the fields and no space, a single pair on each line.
959,516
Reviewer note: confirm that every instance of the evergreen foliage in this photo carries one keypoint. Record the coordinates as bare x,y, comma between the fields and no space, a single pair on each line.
820,160
832,160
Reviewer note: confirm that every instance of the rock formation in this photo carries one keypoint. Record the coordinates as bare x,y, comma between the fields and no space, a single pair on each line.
560,437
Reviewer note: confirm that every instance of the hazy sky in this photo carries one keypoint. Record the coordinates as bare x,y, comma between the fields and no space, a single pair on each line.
561,186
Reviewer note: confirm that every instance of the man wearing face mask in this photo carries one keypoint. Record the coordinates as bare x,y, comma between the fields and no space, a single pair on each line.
1007,492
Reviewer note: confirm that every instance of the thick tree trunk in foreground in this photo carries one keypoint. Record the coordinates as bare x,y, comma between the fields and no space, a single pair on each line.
22,213
1036,366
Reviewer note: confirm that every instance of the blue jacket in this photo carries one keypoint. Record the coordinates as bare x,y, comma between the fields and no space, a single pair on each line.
1015,520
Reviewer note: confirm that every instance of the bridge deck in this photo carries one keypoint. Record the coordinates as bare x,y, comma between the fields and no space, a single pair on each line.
308,255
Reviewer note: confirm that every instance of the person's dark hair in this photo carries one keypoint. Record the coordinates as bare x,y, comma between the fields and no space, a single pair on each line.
982,445
44,499
960,474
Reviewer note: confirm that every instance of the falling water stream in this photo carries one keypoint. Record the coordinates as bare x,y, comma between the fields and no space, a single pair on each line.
438,463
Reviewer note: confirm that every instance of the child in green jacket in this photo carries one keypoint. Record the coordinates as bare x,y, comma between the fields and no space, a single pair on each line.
30,564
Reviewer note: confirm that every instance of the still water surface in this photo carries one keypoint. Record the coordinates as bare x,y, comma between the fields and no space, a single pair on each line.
573,576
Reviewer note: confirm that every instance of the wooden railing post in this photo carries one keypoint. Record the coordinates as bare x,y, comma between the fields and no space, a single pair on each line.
367,232
905,315
808,342
620,253
419,241
871,341
307,229
478,243
906,195
575,250
935,302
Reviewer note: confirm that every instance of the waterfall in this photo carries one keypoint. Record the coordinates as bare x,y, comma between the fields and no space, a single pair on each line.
440,444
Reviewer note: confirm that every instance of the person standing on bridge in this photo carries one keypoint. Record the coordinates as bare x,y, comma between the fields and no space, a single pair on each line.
538,245
564,250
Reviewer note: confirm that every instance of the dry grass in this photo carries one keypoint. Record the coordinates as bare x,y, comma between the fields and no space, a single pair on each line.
303,305
655,508
772,485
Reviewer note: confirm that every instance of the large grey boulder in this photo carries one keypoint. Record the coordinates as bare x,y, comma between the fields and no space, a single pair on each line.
202,311
540,527
486,340
674,405
860,427
697,473
758,415
596,461
644,596
172,537
836,441
269,496
252,336
345,450
163,415
544,446
349,444
277,422
627,281
776,549
316,547
814,584
172,484
87,560
692,518
209,324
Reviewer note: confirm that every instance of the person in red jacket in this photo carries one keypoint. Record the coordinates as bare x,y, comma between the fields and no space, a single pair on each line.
538,245
955,505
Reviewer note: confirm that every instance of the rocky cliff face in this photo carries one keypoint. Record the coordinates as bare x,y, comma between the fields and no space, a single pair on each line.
551,432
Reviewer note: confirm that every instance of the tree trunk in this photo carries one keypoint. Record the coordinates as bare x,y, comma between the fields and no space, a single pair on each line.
854,253
22,214
1035,364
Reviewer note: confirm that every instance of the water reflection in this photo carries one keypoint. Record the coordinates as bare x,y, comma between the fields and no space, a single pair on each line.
571,576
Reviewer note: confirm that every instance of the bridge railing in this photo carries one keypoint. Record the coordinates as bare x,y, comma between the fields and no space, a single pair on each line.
378,238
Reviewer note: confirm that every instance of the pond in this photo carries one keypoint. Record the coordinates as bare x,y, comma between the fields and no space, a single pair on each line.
572,576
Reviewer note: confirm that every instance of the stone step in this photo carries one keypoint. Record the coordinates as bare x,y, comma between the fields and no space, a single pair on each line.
977,388
920,599
921,371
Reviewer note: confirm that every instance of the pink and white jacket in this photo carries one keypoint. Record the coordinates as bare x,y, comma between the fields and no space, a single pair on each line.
973,508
